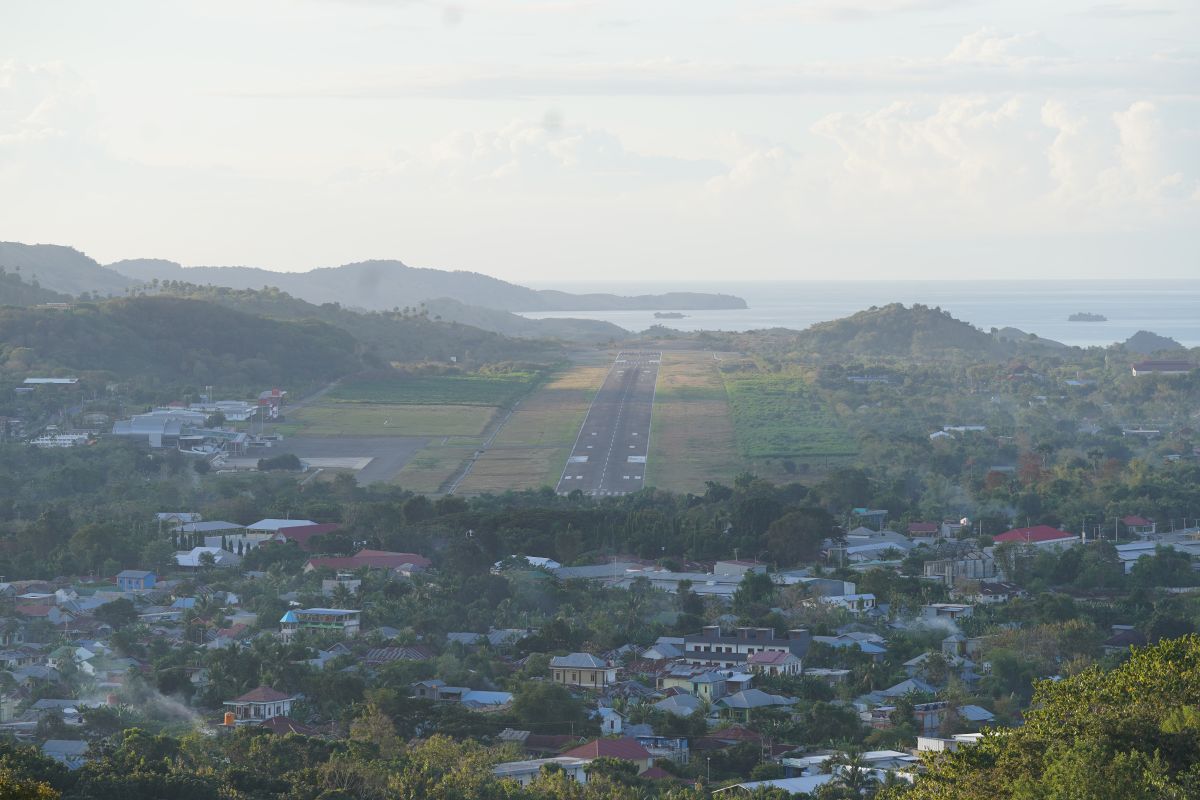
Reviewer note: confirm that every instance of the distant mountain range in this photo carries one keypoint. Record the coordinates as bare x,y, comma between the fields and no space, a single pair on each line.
469,298
373,285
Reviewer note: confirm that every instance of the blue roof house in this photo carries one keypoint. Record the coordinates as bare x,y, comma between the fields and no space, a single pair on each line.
133,580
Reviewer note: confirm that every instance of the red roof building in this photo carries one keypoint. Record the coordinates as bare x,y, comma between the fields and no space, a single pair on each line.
923,528
624,749
303,534
281,726
374,559
1038,534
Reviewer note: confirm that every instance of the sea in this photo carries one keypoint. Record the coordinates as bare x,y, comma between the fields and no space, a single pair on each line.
1166,307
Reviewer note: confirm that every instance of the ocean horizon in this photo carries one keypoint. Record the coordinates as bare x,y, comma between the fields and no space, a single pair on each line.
1167,307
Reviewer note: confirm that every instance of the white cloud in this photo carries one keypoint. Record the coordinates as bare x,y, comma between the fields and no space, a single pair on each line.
546,153
993,47
41,102
987,60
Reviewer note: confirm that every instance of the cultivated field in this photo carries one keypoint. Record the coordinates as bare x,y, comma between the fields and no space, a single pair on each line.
691,439
532,447
778,416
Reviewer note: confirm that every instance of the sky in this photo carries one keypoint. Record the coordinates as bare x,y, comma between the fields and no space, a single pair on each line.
555,141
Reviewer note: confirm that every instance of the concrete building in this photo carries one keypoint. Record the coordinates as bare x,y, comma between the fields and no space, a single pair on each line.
712,647
341,621
583,670
258,705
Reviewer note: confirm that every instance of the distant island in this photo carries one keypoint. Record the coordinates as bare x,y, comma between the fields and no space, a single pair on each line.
668,315
1084,316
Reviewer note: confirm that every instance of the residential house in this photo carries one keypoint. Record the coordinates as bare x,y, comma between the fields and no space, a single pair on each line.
854,603
681,705
583,670
341,621
135,580
674,748
1040,536
401,563
525,772
702,682
612,722
946,610
71,753
743,704
259,705
712,647
540,562
624,749
1163,367
1123,637
199,557
774,662
972,566
304,536
992,592
1138,526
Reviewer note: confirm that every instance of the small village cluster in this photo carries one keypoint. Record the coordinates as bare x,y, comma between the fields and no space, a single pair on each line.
59,635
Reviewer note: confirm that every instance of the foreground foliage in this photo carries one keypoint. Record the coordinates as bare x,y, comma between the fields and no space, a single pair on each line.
1132,733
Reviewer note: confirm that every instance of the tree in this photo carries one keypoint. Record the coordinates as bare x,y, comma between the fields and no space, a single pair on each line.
798,535
117,613
1130,733
13,787
547,706
753,594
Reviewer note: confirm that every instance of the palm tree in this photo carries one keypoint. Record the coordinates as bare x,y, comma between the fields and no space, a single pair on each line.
854,774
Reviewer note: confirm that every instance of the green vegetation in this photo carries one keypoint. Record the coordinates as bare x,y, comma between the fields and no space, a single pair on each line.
778,416
16,292
494,388
162,341
371,419
1132,733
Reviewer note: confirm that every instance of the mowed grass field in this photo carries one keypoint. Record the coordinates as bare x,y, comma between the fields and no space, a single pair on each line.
373,419
478,389
692,434
433,467
779,416
532,447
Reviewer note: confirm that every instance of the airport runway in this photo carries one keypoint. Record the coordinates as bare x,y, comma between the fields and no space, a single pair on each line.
609,456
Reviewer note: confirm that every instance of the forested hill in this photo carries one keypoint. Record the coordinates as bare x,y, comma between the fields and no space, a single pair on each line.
61,269
171,340
896,330
380,285
407,335
16,292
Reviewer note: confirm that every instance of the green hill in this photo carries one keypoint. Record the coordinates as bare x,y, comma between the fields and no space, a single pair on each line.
62,269
896,330
16,292
588,331
404,336
167,340
381,285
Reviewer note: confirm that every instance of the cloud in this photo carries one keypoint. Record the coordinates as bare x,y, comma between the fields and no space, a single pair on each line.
993,47
1127,11
41,102
969,165
546,153
987,60
850,10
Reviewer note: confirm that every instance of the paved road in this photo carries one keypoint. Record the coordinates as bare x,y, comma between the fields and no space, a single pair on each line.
387,453
609,456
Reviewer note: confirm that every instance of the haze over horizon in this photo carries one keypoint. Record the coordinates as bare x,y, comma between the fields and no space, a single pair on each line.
574,141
